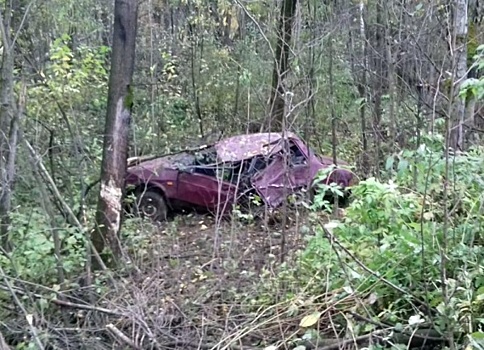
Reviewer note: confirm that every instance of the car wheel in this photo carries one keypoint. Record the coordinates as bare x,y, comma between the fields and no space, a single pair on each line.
151,204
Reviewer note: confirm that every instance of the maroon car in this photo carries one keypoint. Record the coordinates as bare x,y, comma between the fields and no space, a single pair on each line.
268,166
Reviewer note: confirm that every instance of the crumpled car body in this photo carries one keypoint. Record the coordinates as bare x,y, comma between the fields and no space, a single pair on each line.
215,177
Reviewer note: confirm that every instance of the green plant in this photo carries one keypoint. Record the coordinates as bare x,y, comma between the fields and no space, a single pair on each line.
33,257
389,243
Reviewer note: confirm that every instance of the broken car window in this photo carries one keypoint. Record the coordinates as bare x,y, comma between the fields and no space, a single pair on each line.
297,157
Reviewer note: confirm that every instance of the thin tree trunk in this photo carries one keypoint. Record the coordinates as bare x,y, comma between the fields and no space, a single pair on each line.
362,89
281,64
391,76
8,126
459,52
118,119
311,106
334,140
378,85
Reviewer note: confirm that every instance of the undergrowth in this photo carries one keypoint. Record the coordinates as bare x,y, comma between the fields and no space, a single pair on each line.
388,249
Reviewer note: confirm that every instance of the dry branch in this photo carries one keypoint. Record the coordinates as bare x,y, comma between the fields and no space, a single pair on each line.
57,194
3,344
120,336
59,302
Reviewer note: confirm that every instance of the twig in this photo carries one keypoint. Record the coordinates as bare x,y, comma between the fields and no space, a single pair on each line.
121,336
3,344
17,301
45,173
59,302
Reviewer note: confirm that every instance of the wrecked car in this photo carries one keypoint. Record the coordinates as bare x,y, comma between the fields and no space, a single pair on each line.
217,177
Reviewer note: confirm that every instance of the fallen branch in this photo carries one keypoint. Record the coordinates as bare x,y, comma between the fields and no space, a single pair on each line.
3,344
120,336
27,316
63,303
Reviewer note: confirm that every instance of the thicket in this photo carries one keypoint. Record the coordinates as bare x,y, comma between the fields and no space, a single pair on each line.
402,267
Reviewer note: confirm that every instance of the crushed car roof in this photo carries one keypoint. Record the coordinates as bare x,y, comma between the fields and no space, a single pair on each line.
240,147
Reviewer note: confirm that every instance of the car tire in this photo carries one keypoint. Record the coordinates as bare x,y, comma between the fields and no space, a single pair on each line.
151,204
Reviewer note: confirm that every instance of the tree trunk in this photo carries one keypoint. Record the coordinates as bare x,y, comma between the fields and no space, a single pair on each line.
118,118
7,154
459,52
281,63
390,75
361,83
378,84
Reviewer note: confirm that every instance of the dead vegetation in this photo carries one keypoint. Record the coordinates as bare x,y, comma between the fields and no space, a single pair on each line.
191,283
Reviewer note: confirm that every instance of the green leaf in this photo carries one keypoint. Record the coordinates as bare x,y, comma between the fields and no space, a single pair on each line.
389,163
478,335
402,165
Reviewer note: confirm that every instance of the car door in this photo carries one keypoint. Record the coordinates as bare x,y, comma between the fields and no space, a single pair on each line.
272,183
285,174
200,186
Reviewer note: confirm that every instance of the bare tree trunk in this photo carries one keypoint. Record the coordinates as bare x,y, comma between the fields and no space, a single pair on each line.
118,119
391,75
362,88
459,53
7,120
378,84
334,137
281,64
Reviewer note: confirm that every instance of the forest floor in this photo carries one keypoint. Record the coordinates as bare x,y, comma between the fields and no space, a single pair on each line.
206,284
195,282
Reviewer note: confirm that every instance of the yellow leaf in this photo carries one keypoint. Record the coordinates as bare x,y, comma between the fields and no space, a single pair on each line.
428,216
310,320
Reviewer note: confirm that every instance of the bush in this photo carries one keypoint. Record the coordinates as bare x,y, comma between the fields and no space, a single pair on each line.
389,248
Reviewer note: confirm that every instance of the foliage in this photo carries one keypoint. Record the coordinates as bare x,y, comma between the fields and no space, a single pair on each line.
473,86
395,229
33,258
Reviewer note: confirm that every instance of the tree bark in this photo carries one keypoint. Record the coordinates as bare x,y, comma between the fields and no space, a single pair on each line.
118,119
378,84
281,63
362,89
459,52
7,154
